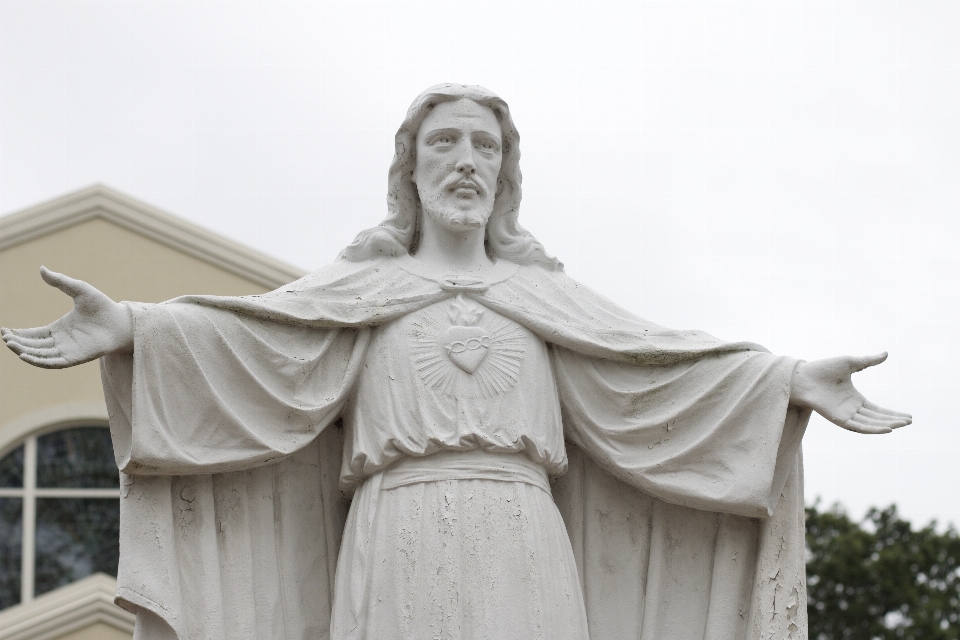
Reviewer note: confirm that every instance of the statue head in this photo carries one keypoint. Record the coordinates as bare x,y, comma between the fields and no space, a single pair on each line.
458,166
399,233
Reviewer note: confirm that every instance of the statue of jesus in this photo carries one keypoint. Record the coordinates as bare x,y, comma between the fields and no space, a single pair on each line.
523,458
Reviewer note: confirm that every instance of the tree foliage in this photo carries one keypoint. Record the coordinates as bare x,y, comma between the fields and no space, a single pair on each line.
880,579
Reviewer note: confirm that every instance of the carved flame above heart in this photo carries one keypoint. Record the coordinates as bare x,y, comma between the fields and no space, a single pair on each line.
466,344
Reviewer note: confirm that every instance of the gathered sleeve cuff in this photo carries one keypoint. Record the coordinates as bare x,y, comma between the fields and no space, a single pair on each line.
716,433
209,391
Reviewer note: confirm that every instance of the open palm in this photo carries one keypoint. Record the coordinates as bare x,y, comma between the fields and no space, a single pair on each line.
826,387
94,327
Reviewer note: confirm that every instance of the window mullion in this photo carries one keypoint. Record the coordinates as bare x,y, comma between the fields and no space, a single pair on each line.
42,492
28,550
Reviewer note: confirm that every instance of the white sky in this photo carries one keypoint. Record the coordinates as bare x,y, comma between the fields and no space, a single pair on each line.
783,172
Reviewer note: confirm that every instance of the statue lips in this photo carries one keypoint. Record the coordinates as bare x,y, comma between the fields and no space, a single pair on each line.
466,185
466,346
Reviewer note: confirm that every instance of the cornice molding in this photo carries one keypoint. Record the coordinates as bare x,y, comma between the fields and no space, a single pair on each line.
99,201
67,609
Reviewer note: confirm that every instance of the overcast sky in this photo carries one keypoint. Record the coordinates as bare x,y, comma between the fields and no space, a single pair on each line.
782,172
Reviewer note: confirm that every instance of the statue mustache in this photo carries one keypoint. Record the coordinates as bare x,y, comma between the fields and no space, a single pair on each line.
458,182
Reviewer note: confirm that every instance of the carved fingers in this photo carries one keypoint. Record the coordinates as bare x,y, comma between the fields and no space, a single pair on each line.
45,363
887,413
35,346
35,333
871,418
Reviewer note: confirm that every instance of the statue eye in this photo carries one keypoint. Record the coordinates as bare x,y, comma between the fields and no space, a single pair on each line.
443,139
489,146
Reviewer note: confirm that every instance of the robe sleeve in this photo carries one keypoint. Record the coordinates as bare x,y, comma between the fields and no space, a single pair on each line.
716,433
216,542
210,391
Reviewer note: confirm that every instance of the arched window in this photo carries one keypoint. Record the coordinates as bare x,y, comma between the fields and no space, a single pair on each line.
59,512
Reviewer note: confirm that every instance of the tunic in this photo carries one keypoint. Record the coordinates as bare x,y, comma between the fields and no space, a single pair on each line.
459,538
415,396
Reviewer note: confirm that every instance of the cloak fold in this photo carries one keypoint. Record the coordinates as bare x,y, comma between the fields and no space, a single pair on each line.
224,419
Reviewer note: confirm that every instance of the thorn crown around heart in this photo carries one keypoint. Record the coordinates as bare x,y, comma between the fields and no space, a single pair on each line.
467,344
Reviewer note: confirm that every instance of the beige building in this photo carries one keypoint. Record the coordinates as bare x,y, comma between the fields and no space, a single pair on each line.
58,494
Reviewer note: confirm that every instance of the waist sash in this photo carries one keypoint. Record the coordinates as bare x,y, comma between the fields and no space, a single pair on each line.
466,465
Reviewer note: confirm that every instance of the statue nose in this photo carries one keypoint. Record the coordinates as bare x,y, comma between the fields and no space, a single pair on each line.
466,165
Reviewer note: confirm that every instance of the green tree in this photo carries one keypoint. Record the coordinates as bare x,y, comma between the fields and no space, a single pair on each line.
880,579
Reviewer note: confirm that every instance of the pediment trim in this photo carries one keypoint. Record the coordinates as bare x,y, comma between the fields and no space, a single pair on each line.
67,609
99,201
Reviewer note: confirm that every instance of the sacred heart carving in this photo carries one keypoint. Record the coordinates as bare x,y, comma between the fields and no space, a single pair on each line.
466,346
463,350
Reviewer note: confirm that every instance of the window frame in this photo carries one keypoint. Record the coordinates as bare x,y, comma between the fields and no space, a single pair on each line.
29,493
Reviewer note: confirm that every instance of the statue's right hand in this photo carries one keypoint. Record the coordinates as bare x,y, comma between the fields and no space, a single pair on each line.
94,327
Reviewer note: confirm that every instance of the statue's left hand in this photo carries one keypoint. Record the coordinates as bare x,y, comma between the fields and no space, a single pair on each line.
825,386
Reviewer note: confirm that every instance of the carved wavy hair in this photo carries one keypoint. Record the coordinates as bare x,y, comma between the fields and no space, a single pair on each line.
399,233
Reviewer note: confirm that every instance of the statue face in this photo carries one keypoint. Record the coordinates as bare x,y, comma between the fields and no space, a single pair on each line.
458,161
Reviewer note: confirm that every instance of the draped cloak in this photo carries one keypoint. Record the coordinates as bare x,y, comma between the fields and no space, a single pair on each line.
683,498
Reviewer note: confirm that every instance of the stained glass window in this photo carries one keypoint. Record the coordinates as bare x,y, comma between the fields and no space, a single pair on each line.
11,550
59,512
11,469
79,457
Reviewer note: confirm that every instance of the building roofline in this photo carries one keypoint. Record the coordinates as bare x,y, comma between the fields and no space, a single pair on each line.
69,608
99,201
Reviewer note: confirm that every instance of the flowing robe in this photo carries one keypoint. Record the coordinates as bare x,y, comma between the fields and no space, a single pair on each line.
683,500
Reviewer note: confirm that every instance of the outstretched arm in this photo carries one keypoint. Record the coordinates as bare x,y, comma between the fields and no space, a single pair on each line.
825,386
94,327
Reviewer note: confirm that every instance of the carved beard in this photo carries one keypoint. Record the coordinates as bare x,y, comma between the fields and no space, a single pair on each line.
451,217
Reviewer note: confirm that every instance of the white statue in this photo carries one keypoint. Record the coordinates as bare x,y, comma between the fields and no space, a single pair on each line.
447,377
